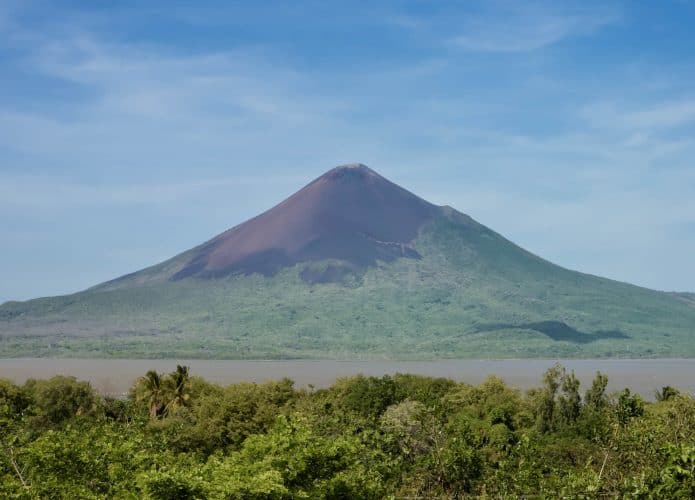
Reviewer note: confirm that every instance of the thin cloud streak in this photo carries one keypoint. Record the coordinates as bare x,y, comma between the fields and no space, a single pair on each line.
654,117
47,193
522,27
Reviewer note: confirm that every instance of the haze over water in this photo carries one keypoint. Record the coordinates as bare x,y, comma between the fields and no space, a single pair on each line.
114,376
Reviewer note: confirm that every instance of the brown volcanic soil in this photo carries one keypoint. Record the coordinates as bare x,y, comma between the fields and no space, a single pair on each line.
351,214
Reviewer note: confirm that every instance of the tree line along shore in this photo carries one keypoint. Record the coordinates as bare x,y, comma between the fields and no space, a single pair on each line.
177,436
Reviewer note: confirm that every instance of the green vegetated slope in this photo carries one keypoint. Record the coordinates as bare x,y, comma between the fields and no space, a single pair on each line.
689,298
472,294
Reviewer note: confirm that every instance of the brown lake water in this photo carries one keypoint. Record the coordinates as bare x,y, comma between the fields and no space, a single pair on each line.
115,376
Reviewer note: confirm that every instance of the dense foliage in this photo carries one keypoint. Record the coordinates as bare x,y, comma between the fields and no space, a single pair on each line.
176,437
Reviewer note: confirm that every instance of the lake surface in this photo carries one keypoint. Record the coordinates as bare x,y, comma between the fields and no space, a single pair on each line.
115,376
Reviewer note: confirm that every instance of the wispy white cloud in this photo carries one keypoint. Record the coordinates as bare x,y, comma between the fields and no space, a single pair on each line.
45,192
527,26
649,117
149,81
144,106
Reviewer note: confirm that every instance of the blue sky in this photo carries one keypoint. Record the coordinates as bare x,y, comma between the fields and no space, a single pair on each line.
130,131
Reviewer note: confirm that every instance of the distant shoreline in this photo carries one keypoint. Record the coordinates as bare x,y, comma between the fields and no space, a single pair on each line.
115,376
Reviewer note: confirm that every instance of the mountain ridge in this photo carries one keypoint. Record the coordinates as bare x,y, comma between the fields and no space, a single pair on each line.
354,266
329,218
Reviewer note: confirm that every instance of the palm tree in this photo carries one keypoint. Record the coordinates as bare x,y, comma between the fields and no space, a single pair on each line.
153,392
179,382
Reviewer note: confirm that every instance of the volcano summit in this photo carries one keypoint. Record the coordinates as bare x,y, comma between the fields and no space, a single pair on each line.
351,214
353,265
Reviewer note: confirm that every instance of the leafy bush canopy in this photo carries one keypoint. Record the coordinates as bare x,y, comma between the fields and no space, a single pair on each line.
177,436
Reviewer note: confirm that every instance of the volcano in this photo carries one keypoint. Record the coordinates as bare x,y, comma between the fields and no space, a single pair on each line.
351,214
353,265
